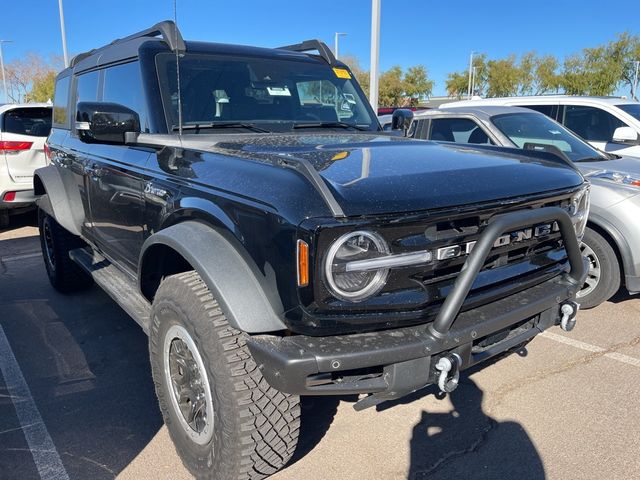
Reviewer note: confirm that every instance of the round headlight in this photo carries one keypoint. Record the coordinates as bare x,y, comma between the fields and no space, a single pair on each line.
579,210
352,284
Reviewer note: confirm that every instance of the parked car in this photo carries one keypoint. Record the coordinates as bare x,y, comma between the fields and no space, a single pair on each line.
612,237
23,130
274,242
610,124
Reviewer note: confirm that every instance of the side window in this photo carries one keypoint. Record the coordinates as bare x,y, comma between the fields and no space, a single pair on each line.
459,130
87,87
61,102
548,110
123,85
420,129
591,123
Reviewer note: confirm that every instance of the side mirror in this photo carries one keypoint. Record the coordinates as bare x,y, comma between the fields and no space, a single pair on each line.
625,135
401,120
101,122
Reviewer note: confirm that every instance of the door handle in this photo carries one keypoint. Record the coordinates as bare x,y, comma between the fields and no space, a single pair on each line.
95,172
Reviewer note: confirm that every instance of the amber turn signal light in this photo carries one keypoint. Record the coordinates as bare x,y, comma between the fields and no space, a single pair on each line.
303,263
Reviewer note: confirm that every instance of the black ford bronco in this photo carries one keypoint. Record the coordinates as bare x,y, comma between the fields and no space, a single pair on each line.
245,208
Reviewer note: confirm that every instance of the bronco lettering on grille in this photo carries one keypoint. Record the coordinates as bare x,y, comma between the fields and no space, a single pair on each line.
454,251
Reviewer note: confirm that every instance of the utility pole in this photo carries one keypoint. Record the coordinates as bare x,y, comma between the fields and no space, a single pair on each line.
336,39
375,54
4,76
470,76
64,35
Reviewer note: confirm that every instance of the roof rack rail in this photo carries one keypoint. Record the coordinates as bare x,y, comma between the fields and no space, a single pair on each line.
310,45
166,29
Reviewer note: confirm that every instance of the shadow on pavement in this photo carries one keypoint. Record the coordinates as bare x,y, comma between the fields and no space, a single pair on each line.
622,295
317,414
27,219
467,443
87,366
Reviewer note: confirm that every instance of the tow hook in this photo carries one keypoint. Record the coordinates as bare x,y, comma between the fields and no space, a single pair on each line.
449,368
569,310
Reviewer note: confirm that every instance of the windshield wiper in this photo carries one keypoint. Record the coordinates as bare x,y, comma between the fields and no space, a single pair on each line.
330,125
213,125
593,159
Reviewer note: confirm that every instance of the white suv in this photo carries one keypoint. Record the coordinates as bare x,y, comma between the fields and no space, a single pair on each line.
23,131
611,124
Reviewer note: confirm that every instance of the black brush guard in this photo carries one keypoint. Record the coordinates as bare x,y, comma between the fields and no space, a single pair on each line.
393,363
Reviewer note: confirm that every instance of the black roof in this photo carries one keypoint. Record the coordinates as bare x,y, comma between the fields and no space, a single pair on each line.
169,36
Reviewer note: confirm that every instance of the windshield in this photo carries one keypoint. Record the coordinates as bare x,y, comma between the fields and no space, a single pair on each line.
260,93
632,109
531,129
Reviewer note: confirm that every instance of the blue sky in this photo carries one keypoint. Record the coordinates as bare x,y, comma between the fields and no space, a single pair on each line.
438,34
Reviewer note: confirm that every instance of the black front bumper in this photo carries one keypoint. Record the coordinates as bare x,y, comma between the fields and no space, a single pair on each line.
393,363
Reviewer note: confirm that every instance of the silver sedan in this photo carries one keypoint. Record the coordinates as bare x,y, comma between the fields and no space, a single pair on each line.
612,237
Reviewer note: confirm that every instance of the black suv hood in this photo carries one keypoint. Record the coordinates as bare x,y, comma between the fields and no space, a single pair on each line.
376,174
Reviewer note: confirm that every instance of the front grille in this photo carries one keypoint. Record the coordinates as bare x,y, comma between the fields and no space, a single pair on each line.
508,269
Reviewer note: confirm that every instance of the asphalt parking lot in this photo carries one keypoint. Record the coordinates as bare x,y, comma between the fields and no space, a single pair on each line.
77,399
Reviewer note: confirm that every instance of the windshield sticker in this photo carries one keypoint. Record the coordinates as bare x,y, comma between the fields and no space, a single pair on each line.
279,91
342,73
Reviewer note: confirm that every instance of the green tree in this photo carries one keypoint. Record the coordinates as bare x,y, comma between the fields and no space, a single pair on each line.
457,84
362,75
481,77
527,73
503,77
417,84
24,73
42,88
627,46
546,77
391,87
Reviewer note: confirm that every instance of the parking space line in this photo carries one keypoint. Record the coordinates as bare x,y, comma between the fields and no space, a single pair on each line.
620,357
26,256
41,445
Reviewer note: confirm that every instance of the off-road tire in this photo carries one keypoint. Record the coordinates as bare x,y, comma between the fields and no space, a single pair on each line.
255,428
64,275
609,278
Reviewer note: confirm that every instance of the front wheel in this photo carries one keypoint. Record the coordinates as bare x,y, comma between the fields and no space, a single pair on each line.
223,417
603,278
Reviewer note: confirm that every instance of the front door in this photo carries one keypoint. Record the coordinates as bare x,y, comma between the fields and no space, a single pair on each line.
115,179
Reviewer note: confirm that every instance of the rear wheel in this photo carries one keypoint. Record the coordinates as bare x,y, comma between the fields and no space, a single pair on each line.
223,417
56,243
603,278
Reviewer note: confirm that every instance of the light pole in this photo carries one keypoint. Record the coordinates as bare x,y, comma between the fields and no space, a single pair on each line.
4,77
336,39
64,35
635,81
375,54
473,81
470,76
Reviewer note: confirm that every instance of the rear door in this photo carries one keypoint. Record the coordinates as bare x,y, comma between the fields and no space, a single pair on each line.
24,131
595,125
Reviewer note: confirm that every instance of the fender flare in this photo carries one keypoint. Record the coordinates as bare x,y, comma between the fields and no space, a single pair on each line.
59,197
248,297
